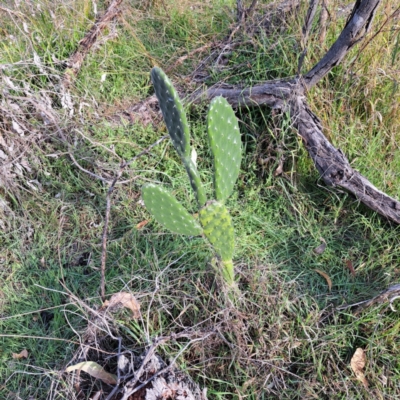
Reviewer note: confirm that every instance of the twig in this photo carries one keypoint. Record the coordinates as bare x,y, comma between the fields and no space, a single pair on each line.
251,9
73,159
76,60
240,11
7,10
130,387
180,60
116,387
104,236
312,10
323,18
389,295
107,215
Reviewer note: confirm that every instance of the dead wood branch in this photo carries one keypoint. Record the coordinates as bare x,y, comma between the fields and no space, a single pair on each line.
289,94
323,19
312,10
75,62
333,165
355,30
388,296
274,94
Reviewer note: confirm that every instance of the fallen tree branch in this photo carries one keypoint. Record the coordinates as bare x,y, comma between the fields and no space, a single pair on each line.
389,295
75,62
274,94
333,165
355,30
289,95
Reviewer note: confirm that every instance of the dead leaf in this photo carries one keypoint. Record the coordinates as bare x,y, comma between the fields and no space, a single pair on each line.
321,248
95,370
357,364
127,300
326,276
349,265
22,354
279,169
142,224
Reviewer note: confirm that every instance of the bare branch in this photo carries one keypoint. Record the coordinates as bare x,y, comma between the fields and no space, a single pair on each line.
355,30
333,165
312,10
274,94
76,60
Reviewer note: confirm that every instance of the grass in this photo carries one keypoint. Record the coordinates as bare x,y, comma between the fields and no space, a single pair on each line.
283,340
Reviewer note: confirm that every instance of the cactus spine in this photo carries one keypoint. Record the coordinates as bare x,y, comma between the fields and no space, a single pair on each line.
225,143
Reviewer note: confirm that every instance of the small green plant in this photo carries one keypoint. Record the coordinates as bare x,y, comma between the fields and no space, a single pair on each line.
225,142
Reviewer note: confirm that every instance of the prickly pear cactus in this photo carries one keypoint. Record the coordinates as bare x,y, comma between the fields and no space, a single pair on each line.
225,142
224,138
218,229
172,111
169,212
178,127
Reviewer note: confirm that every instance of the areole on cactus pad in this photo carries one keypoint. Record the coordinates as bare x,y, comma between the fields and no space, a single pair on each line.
225,142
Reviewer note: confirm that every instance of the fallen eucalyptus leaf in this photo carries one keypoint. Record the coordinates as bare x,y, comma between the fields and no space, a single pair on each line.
326,276
95,370
350,267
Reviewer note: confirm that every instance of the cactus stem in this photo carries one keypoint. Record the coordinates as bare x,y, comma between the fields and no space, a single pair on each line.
228,272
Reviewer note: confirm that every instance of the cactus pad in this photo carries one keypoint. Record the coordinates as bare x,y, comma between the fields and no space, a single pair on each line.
218,229
178,128
225,142
173,113
169,212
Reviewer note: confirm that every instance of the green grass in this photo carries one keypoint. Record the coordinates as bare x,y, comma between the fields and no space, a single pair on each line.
282,341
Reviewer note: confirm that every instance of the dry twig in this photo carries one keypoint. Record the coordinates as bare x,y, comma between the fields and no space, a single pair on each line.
76,60
107,215
389,295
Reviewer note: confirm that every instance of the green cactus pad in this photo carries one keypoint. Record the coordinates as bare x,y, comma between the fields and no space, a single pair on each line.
225,142
218,228
173,112
169,212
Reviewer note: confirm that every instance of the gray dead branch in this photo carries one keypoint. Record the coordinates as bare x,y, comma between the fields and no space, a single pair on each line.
390,295
290,95
76,60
